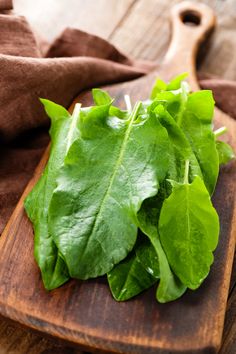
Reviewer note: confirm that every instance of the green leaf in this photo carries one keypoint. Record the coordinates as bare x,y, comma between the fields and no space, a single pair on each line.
161,87
101,97
201,103
114,174
147,256
169,100
107,175
115,111
158,87
180,148
63,132
225,152
129,278
193,114
196,122
54,110
93,121
175,83
53,269
189,229
170,287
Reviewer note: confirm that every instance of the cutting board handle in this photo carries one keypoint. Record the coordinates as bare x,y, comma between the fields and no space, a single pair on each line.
191,23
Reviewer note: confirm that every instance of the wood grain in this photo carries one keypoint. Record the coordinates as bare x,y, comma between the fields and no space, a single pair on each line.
52,16
229,338
16,340
144,16
217,57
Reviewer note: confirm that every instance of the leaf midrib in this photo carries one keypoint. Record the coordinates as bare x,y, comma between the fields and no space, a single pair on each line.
72,126
188,227
112,178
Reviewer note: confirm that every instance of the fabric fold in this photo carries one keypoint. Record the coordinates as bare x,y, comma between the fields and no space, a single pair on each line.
58,79
6,5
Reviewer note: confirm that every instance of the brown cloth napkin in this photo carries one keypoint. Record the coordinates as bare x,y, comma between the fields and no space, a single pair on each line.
74,62
5,5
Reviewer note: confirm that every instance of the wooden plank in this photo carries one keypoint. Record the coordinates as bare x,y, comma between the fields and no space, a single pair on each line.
50,17
16,340
145,34
229,337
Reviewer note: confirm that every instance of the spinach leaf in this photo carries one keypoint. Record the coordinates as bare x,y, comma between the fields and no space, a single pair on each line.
136,273
129,278
114,174
161,86
108,172
176,82
189,229
147,256
225,152
170,287
180,147
169,100
196,122
101,97
193,113
63,131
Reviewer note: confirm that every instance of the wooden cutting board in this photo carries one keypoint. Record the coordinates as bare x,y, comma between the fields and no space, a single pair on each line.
84,313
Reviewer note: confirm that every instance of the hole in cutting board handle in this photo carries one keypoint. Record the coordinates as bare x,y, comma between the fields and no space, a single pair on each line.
191,18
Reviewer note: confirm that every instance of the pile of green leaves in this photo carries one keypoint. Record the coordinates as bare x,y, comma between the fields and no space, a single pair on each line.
127,193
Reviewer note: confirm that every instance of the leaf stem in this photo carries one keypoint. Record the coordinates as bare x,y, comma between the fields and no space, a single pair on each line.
184,97
135,110
74,119
128,103
220,131
186,172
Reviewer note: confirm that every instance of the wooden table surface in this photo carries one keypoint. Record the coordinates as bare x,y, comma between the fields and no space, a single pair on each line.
141,29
